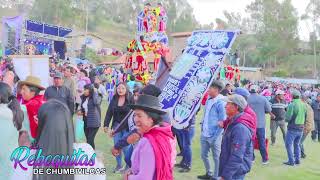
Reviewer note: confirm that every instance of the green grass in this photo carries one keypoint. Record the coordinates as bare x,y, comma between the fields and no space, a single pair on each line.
308,170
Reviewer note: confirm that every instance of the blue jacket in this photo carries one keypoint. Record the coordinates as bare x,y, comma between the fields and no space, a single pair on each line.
236,149
216,113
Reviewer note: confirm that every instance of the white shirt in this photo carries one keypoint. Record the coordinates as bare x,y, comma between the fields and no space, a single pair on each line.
205,128
85,106
102,90
131,123
205,120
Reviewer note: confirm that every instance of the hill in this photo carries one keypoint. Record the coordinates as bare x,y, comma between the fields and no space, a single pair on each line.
115,35
296,66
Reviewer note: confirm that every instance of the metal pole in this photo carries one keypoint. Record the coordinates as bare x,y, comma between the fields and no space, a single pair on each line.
314,43
315,55
87,18
244,58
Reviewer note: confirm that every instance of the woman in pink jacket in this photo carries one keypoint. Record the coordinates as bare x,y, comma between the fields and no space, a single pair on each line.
154,156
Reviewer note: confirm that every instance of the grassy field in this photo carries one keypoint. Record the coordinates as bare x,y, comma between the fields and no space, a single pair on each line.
308,170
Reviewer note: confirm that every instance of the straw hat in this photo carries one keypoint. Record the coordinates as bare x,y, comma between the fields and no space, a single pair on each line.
32,81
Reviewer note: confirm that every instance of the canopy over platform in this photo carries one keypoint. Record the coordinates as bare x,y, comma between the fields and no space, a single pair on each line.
293,80
20,36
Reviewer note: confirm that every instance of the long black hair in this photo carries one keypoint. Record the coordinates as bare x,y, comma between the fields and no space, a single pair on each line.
157,119
6,97
127,95
90,87
84,72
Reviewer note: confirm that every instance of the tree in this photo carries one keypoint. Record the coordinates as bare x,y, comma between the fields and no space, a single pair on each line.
54,12
275,26
179,12
21,6
313,14
73,13
246,42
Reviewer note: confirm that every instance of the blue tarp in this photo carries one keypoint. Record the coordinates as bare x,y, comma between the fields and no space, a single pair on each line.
78,61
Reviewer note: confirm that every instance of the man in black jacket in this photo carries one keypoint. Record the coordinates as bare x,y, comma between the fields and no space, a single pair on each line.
60,92
278,106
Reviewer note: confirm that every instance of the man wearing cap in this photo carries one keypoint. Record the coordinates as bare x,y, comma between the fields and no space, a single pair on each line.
260,106
278,106
253,123
316,110
60,92
211,132
295,116
237,144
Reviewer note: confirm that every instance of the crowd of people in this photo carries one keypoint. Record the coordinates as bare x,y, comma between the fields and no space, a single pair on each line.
232,126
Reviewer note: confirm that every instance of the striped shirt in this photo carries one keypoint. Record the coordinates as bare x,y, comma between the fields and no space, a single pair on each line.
278,109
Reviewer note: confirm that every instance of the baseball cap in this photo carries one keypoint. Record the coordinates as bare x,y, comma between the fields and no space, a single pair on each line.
296,93
242,92
279,92
238,100
309,101
254,88
58,75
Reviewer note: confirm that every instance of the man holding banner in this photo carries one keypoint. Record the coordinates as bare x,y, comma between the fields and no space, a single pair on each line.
211,132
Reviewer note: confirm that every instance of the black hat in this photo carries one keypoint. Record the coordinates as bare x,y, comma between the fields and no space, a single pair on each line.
152,90
148,103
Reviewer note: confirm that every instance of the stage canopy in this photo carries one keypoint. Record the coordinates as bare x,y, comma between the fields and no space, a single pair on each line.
16,32
53,30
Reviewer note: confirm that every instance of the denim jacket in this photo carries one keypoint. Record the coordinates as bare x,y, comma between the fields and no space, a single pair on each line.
217,112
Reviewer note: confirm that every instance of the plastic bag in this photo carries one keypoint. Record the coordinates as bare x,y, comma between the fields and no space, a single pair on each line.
79,129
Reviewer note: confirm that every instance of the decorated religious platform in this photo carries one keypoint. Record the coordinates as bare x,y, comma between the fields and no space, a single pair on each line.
151,42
